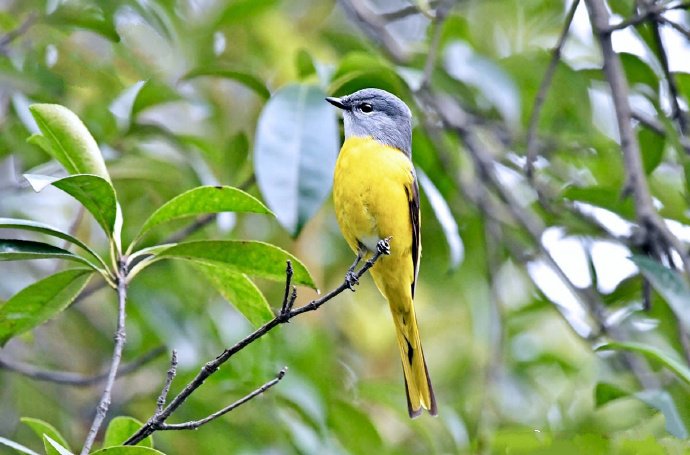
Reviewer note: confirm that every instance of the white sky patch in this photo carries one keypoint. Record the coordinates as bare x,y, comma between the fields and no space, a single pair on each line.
614,223
611,264
603,111
515,181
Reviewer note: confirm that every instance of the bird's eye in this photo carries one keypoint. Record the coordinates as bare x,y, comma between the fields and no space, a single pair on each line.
366,108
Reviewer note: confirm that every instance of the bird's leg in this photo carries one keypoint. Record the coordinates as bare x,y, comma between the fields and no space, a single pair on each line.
351,276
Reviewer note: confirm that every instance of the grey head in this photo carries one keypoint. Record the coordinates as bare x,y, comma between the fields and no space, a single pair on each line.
379,114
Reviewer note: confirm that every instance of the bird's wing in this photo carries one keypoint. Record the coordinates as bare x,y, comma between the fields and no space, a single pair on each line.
413,203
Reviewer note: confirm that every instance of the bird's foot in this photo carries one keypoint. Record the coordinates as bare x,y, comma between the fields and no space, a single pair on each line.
383,246
351,279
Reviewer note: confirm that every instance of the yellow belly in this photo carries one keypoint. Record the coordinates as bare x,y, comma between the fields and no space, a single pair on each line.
371,193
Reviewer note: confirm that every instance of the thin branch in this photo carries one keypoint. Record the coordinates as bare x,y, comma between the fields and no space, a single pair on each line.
120,336
76,379
157,420
172,371
649,13
656,126
679,28
437,24
194,424
407,11
543,90
654,228
12,35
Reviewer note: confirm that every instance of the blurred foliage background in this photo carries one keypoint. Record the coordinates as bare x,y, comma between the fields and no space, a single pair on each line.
523,275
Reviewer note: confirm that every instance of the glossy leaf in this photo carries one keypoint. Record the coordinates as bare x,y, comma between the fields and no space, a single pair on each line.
54,447
296,146
242,256
120,429
445,219
19,250
43,429
239,291
251,82
68,140
669,284
680,370
204,199
95,193
28,225
40,302
16,446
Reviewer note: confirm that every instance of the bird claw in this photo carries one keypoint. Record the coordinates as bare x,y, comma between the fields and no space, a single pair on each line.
351,280
383,246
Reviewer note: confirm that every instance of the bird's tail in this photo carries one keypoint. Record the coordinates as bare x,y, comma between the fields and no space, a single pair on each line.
420,393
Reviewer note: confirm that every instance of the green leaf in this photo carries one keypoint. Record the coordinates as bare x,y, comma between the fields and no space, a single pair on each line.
127,450
28,225
358,70
652,353
242,256
240,291
250,81
20,250
669,284
40,302
605,393
296,146
445,219
54,447
86,16
95,193
68,140
120,429
304,64
41,428
662,400
204,199
16,446
652,148
638,71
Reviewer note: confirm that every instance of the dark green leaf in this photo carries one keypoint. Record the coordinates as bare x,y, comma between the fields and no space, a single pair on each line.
360,70
246,79
669,284
240,291
120,429
204,199
305,64
44,428
28,225
295,152
40,302
68,140
652,353
638,71
605,393
20,250
152,93
652,148
242,256
95,193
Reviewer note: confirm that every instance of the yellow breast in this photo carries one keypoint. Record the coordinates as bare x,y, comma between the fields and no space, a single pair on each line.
371,194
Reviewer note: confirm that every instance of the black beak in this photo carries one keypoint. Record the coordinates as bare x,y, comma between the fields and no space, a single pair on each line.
337,102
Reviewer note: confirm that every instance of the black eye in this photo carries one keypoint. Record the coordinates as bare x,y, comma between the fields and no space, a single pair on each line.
366,108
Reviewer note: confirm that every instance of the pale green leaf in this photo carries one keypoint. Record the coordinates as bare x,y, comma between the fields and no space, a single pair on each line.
56,447
120,429
16,446
652,353
42,429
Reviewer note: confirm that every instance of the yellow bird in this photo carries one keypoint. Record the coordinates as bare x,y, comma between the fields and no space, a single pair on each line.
376,197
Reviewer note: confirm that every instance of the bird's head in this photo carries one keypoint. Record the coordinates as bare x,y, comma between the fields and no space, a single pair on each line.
378,114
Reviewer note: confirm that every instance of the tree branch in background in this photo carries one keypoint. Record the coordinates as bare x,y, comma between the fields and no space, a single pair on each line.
157,421
120,336
163,397
655,126
653,227
194,424
12,35
676,111
76,379
543,90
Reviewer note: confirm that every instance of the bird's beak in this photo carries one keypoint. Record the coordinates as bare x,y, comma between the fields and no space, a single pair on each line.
337,102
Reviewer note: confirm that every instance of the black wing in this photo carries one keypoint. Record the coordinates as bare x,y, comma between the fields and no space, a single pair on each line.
416,234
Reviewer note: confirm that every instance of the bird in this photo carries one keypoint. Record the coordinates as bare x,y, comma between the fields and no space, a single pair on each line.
376,201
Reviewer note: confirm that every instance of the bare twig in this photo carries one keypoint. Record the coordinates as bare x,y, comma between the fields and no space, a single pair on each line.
120,336
649,13
76,379
654,228
543,90
437,24
679,28
12,35
656,126
676,111
172,371
157,420
407,11
194,424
